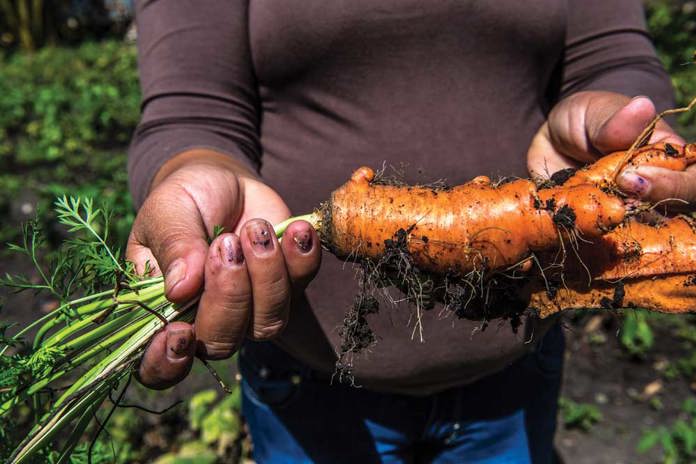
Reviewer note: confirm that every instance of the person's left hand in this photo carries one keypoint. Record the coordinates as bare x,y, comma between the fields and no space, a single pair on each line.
588,125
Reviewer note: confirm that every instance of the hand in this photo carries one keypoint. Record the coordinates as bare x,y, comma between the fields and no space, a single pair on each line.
245,277
587,125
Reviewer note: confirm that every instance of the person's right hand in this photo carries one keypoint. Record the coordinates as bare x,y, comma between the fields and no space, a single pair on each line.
245,278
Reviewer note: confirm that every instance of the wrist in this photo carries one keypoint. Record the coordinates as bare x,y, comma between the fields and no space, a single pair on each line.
198,157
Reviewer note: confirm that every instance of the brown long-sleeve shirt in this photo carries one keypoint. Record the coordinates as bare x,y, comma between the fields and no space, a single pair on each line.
304,91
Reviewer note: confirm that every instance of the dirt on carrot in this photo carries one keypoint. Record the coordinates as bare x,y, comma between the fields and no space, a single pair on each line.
490,250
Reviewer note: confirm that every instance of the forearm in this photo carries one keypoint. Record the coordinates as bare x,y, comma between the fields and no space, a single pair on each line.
199,90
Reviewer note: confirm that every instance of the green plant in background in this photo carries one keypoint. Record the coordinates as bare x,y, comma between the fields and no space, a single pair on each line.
678,442
218,428
66,116
683,366
25,21
672,24
636,334
30,24
582,416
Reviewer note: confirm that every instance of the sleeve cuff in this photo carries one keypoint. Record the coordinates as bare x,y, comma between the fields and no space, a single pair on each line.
148,154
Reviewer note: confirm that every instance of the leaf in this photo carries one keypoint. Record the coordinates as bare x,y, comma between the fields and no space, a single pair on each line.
199,406
689,406
636,335
217,230
222,425
194,452
648,441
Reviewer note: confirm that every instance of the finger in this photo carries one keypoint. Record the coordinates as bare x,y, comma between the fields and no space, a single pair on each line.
302,251
614,125
652,183
269,279
143,259
575,122
170,226
169,357
543,159
225,306
625,125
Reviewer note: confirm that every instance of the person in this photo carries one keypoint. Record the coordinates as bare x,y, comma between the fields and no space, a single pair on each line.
254,110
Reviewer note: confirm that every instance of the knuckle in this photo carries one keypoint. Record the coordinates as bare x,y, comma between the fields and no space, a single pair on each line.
216,350
237,301
268,330
684,189
173,238
276,290
152,377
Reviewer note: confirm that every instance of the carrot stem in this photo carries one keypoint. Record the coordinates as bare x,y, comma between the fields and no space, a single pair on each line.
313,218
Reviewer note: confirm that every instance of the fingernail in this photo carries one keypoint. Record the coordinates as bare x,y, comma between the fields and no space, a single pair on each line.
260,236
633,183
175,274
178,342
232,254
303,240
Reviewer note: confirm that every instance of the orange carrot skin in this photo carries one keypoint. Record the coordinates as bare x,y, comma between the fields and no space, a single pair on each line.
481,227
472,227
601,172
669,294
635,250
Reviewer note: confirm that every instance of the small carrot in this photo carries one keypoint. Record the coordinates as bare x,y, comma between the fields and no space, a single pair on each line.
664,155
636,250
670,294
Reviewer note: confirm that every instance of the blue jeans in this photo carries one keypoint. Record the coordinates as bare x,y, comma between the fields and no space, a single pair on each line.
295,415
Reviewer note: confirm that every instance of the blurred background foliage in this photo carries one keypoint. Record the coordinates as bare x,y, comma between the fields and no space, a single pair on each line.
29,24
672,25
69,101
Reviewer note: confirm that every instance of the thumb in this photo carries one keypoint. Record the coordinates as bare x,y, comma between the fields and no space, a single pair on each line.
614,123
170,227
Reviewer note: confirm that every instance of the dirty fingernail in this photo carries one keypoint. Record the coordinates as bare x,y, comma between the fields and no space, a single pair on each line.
178,342
303,240
260,236
232,254
175,274
633,183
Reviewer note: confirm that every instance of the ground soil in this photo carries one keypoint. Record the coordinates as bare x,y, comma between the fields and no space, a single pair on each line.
600,372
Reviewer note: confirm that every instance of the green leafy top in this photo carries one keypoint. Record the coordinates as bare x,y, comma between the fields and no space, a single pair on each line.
85,263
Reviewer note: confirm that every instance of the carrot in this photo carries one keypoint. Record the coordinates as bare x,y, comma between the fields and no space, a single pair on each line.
473,227
669,294
490,250
480,226
580,231
636,250
664,155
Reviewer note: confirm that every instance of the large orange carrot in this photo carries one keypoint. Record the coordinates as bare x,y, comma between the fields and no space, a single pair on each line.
465,245
480,226
475,226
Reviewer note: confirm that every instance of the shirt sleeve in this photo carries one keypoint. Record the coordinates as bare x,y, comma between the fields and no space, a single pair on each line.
198,85
608,48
